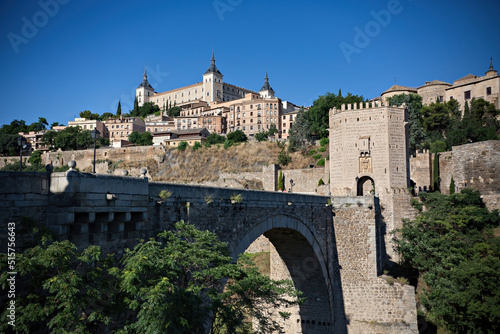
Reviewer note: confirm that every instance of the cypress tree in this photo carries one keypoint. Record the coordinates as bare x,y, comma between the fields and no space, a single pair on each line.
280,181
136,107
452,186
119,109
435,172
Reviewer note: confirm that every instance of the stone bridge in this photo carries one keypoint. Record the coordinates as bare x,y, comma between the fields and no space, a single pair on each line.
330,248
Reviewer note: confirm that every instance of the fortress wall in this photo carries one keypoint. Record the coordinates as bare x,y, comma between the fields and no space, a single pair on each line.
364,293
421,171
445,171
477,166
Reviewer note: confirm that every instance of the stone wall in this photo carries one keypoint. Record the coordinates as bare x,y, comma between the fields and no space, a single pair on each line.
329,258
11,160
358,236
421,171
475,165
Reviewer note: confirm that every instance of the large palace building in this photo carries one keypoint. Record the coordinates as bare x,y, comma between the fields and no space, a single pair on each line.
222,107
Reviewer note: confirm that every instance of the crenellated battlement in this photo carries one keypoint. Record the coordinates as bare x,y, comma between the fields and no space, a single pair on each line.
364,106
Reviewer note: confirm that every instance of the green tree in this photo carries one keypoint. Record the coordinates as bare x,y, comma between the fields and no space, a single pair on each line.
174,112
60,289
457,256
40,125
196,146
237,136
35,158
318,114
15,127
299,135
214,138
106,115
146,109
119,109
417,134
8,144
141,139
182,145
135,111
176,283
280,181
452,186
284,157
435,172
89,115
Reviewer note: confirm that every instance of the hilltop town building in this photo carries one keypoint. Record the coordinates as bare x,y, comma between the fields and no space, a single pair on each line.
463,90
219,106
91,124
120,128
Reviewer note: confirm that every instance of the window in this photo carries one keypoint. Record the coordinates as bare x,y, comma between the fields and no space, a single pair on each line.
488,90
441,98
467,95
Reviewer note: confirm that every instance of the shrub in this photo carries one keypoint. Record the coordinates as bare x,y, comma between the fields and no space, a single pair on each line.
280,181
236,198
321,162
324,141
237,136
312,152
320,182
317,156
182,145
214,138
322,149
35,158
228,143
284,158
196,146
165,193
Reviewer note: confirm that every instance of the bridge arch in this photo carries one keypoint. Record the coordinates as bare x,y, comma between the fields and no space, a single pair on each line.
298,254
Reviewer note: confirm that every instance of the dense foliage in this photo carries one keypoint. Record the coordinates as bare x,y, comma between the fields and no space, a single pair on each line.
182,281
452,246
237,136
71,138
264,135
10,132
441,125
141,139
416,130
318,114
299,135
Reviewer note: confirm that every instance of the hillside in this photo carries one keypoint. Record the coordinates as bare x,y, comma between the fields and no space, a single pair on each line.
206,163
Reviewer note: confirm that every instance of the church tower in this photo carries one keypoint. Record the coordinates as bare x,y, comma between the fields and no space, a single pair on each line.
212,84
266,91
144,91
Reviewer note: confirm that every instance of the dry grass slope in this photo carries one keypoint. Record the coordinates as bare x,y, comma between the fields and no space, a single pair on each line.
205,164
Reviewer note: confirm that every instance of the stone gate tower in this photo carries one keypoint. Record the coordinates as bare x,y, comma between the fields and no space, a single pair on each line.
369,157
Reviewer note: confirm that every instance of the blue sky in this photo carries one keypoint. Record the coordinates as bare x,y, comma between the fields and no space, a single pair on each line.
60,57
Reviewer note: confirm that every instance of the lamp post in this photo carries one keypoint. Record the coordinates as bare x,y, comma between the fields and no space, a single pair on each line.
94,134
291,185
21,141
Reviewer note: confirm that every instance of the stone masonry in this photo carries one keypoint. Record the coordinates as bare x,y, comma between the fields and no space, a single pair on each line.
332,259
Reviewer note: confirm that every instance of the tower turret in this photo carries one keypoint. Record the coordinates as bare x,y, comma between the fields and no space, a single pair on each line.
144,91
266,90
212,83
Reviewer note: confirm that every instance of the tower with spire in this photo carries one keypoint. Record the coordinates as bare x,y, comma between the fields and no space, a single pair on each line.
491,71
144,91
266,91
212,83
